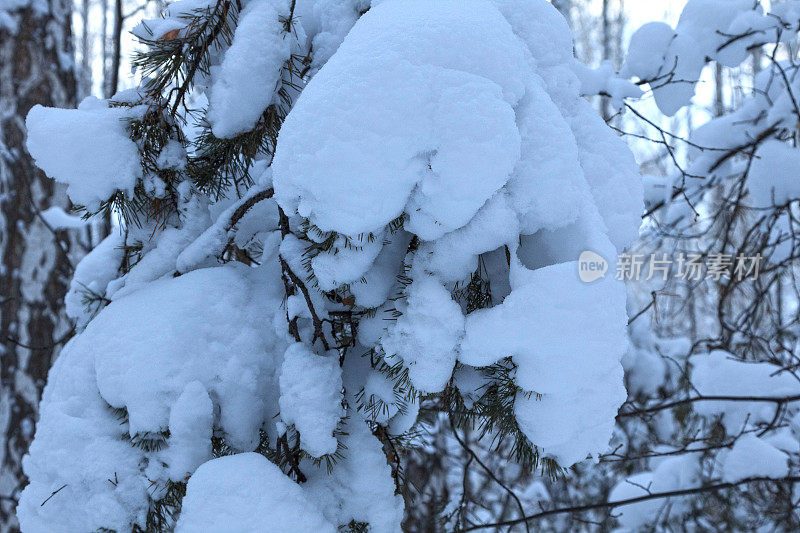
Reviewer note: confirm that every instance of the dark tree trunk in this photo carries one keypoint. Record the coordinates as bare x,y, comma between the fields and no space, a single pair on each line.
606,37
117,49
36,67
85,78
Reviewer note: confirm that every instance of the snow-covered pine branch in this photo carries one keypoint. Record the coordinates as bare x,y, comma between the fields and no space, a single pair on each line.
377,212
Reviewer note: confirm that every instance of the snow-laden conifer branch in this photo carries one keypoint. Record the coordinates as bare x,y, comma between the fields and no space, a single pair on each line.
364,227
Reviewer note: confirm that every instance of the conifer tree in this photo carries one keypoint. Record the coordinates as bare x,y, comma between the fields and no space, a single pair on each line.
337,218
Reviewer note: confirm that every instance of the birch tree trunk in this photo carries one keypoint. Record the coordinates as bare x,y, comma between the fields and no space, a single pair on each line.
36,67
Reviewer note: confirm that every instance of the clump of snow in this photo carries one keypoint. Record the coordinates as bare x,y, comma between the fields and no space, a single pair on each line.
326,22
311,397
448,114
246,493
604,81
647,50
381,277
91,277
704,21
345,263
645,371
754,457
191,421
565,426
612,174
179,354
162,249
454,255
57,218
769,108
172,156
87,148
360,487
425,338
378,391
533,163
471,383
788,13
386,179
719,374
575,356
562,314
244,84
557,191
205,248
77,449
634,516
773,175
216,326
670,474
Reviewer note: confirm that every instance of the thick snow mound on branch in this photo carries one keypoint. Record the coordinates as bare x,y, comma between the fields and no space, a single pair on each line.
91,277
216,326
773,176
360,487
436,106
180,354
244,83
647,50
464,124
246,493
348,263
549,166
567,348
326,23
754,457
423,120
87,148
545,324
454,256
426,336
720,374
191,424
78,448
572,424
311,397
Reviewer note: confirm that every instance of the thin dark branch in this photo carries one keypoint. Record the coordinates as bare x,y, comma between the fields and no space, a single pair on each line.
645,497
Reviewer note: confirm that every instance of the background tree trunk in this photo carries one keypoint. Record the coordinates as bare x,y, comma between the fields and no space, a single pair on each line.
607,54
86,44
116,57
36,67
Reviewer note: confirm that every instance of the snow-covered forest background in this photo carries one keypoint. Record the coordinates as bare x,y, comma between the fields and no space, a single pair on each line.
399,265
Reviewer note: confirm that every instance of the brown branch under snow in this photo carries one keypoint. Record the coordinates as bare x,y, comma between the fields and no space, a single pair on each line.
248,204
